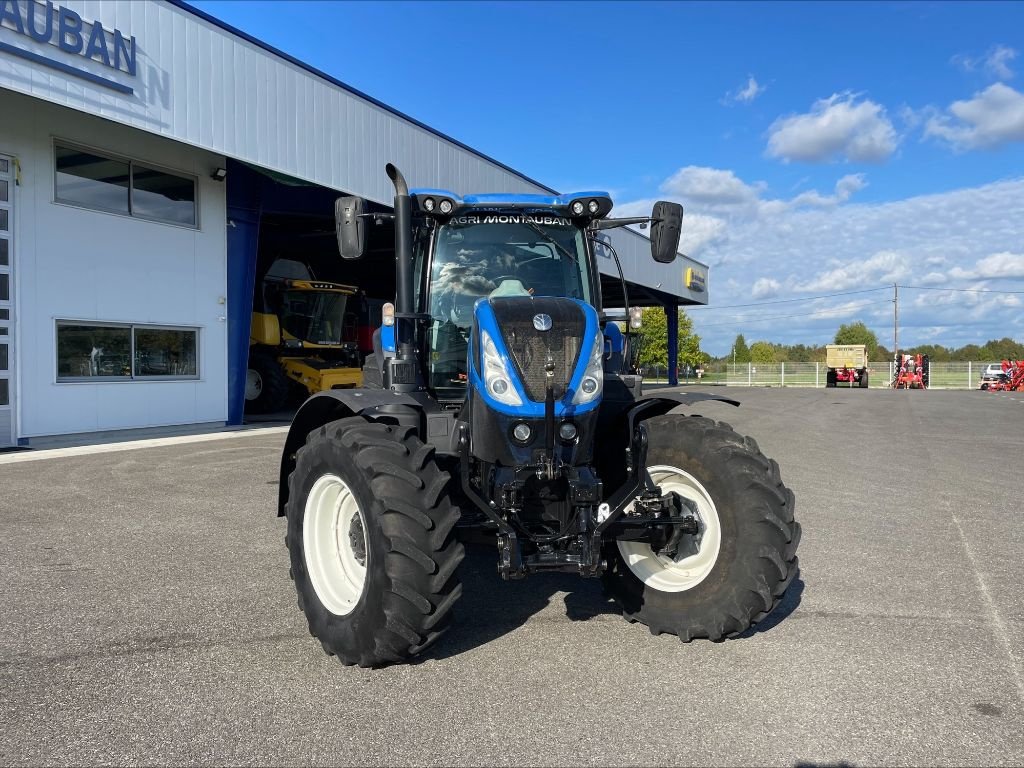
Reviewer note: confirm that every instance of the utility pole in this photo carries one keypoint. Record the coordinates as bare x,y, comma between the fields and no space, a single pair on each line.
895,318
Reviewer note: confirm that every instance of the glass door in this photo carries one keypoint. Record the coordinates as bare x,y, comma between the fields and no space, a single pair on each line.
7,179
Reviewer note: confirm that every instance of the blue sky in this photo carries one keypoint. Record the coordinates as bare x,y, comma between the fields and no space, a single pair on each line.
817,147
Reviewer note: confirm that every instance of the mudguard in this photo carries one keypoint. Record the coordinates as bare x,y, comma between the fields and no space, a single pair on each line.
334,404
648,406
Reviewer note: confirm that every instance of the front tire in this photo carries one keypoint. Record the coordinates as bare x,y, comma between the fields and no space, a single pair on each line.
736,570
266,386
371,541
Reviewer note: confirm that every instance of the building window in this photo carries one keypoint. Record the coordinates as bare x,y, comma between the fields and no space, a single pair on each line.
165,352
90,351
163,196
90,180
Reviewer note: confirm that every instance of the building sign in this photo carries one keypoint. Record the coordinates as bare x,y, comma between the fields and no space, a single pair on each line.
694,280
63,28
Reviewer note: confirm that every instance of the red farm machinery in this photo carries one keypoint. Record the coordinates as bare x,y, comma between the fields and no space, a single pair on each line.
1012,379
911,372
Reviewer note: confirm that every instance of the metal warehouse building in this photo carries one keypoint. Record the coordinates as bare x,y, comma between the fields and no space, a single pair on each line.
148,155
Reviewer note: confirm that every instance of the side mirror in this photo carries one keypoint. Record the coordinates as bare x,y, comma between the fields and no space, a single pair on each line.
665,228
348,223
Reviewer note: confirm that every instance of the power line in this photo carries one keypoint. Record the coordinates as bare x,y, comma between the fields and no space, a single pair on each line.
786,301
961,290
833,310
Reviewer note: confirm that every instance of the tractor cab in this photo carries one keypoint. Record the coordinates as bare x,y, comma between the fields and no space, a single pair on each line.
492,252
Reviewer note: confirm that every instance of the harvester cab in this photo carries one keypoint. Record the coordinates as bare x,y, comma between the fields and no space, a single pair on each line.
302,338
496,399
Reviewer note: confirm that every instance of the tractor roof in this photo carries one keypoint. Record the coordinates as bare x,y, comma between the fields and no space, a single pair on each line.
598,204
512,200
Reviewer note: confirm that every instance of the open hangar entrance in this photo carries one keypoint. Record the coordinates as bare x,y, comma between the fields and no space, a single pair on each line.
281,232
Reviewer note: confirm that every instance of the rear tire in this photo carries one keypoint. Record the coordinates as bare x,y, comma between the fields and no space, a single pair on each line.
266,386
398,600
736,573
864,380
830,378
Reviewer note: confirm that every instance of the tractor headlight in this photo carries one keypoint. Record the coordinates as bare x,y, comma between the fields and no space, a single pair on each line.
446,206
592,206
428,204
577,208
522,432
496,375
593,377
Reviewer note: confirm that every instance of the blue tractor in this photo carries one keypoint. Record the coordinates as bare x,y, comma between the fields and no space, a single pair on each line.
493,403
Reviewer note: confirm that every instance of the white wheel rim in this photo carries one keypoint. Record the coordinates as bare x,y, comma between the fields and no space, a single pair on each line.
332,527
253,384
690,567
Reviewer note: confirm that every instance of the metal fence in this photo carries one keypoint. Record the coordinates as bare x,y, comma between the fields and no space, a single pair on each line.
951,375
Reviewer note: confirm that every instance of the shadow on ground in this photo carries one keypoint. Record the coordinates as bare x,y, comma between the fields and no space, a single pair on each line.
490,608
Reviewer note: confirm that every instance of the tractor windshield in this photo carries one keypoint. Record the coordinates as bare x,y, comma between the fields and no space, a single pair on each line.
313,316
488,254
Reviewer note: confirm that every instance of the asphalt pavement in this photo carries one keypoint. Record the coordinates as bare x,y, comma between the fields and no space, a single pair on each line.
147,617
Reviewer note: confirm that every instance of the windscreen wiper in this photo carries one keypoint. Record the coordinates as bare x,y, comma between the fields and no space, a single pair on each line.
561,248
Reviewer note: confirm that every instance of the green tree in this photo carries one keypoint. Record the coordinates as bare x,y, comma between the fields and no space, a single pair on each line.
762,352
741,353
857,333
653,336
1003,349
654,340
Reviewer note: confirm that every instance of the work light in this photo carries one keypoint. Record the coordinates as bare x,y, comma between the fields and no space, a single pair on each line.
577,207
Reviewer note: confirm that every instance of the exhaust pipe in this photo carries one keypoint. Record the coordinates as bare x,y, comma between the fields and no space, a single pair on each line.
404,273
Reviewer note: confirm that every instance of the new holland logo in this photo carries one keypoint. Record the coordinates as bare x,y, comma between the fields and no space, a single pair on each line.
542,322
694,280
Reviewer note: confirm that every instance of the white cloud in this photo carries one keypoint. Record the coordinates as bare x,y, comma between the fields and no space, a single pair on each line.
967,238
998,265
745,93
715,199
710,186
992,118
845,188
837,127
883,268
996,62
765,288
700,231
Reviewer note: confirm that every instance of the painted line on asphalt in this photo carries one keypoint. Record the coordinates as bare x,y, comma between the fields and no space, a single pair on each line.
134,445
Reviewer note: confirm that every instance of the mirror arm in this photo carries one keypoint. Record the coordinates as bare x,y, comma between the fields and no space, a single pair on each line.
613,223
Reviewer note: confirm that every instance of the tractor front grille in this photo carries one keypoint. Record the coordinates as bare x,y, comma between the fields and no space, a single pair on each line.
531,349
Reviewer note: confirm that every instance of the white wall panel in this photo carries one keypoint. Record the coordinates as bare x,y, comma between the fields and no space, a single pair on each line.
79,264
